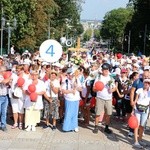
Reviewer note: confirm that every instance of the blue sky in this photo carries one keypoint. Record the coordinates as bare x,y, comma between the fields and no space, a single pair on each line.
96,9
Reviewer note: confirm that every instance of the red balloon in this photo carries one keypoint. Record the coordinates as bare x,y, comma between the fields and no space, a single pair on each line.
133,122
99,86
119,55
33,97
81,102
31,88
7,74
46,78
93,102
20,82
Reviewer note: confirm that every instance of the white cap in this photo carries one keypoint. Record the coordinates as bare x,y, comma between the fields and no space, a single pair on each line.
147,68
146,80
117,71
136,65
45,63
27,62
57,64
1,57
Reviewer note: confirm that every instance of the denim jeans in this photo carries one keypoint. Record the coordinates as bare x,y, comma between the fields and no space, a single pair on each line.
3,110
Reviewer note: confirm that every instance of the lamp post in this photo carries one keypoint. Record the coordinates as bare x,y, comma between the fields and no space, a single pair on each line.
128,37
2,25
7,26
10,28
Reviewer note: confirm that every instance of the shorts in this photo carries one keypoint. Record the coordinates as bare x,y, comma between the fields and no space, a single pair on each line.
103,106
17,105
142,117
128,107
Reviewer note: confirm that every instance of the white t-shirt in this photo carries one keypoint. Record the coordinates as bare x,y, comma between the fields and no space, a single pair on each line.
47,85
68,85
87,82
40,87
105,94
144,97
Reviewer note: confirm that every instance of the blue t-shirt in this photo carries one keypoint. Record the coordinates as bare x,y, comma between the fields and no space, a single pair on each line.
138,84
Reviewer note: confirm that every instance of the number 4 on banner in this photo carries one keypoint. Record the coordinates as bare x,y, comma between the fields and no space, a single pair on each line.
50,51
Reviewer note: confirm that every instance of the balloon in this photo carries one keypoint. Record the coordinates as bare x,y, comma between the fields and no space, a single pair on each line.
46,78
133,122
31,88
119,55
20,82
93,102
81,102
33,97
7,74
99,86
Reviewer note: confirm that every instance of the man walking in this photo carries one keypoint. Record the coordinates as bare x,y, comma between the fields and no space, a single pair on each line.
104,97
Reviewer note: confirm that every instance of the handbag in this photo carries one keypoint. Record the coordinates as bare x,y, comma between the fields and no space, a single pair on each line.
141,108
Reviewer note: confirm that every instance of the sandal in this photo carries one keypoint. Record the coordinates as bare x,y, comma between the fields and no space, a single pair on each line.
20,126
14,126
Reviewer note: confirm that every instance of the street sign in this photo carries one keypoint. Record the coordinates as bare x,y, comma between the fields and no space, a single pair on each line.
50,50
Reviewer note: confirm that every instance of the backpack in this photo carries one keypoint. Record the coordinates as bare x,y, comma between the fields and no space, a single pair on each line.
91,88
92,83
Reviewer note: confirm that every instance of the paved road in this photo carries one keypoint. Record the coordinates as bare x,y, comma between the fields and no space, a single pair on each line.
46,139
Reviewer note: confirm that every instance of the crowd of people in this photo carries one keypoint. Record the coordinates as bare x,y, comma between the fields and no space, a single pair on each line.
35,89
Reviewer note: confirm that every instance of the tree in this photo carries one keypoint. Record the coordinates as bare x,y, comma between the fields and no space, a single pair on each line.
140,26
114,24
87,35
35,18
97,34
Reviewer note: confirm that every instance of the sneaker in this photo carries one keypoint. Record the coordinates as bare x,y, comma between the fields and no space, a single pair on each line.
137,145
130,134
95,131
4,129
108,131
14,126
142,143
28,128
33,128
46,126
20,126
76,130
54,128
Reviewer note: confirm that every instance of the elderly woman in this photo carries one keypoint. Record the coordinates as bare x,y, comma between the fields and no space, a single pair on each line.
17,97
71,89
33,108
51,102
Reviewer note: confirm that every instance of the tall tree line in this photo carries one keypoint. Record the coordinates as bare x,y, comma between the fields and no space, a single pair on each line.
38,20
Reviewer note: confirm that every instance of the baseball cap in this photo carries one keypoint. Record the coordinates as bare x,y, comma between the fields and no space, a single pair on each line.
1,57
123,70
147,80
105,66
147,68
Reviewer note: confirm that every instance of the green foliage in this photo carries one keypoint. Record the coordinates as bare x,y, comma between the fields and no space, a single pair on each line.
87,34
140,21
115,22
35,17
97,34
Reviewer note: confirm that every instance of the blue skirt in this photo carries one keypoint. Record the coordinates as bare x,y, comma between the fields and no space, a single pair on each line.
71,115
